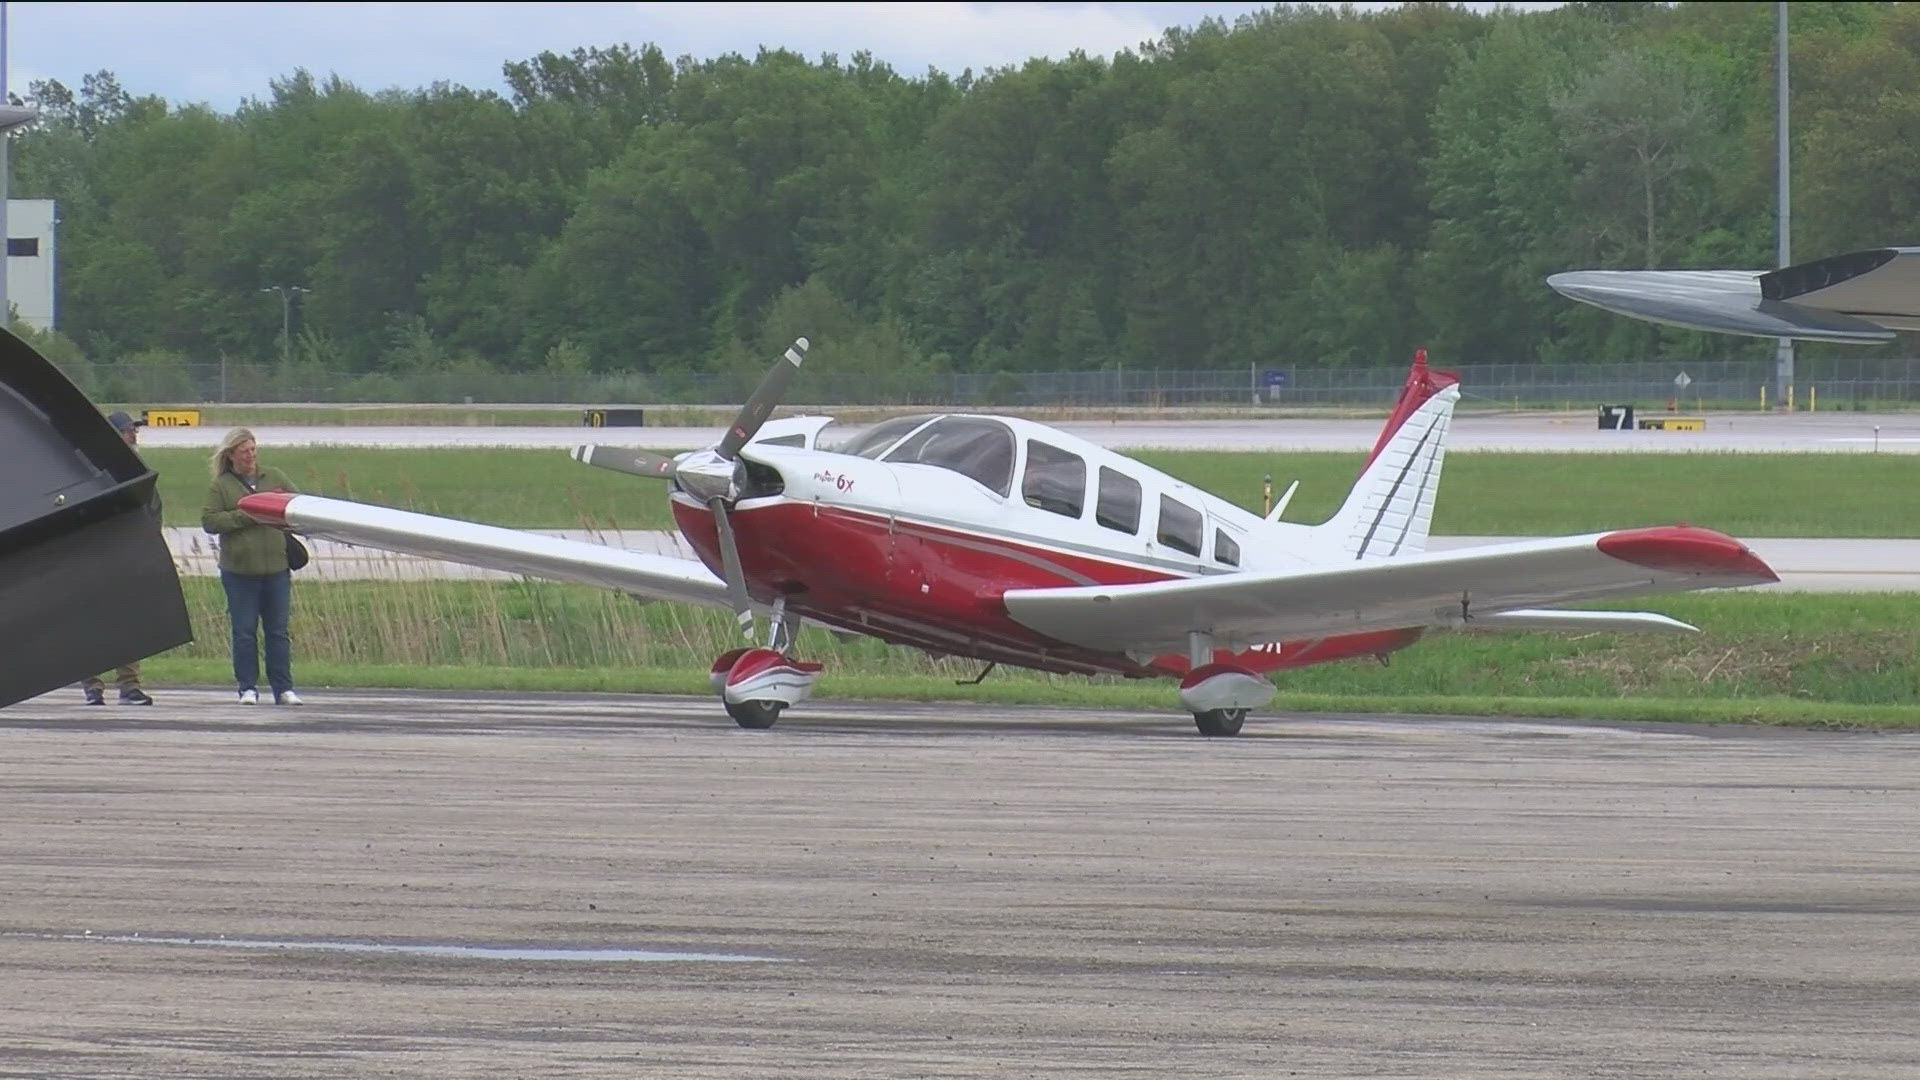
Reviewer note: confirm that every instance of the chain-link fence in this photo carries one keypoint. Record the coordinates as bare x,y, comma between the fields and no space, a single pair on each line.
1840,383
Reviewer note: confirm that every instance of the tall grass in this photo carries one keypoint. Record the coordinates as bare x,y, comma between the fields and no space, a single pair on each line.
1840,648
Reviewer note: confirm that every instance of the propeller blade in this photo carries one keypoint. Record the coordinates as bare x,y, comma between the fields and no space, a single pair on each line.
730,564
765,397
626,460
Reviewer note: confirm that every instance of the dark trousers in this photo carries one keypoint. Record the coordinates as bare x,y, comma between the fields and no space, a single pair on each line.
256,601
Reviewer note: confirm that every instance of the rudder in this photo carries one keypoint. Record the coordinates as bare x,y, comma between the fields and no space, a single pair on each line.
1391,506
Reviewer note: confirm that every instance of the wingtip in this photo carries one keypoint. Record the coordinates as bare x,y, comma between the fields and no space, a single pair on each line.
1685,549
269,507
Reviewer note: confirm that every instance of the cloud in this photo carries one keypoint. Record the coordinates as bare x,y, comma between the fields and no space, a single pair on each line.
223,53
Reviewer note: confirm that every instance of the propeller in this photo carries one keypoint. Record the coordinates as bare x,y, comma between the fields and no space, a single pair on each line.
627,460
716,476
765,396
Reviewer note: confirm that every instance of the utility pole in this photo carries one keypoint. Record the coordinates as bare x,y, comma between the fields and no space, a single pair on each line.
1783,351
286,316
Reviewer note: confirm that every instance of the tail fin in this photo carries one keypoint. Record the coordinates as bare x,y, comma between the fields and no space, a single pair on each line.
1391,505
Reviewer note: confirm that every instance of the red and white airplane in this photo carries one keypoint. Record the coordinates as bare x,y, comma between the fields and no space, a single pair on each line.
1003,540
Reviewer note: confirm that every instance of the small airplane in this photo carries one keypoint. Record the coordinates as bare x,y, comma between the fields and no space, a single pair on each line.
1010,542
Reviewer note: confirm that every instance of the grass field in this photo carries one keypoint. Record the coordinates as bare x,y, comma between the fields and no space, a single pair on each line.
1843,659
1483,494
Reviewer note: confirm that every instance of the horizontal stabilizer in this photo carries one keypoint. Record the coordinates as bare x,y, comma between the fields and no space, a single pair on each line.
1860,298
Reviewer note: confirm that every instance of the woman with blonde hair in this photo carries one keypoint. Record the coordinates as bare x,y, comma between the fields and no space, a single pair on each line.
253,567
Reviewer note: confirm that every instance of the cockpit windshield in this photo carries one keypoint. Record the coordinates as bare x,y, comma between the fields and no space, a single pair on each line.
972,446
872,442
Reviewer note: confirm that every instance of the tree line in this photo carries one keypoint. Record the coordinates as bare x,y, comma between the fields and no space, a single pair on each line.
1306,186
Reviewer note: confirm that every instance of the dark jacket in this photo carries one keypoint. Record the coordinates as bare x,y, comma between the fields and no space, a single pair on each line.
246,546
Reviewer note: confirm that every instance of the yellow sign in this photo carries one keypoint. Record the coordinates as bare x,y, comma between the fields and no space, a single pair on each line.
1674,423
172,417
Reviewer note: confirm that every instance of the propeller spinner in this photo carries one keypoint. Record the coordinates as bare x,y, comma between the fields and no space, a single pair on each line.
714,475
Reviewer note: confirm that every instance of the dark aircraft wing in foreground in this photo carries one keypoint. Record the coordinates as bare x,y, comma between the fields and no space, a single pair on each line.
1862,297
86,582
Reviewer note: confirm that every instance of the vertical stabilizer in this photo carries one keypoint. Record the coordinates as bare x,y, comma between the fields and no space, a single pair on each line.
1391,506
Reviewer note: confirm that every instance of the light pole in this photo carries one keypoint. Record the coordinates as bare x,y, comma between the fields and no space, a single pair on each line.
1783,349
286,316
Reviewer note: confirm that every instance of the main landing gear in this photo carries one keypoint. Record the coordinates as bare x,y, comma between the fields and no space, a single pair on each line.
1219,695
757,685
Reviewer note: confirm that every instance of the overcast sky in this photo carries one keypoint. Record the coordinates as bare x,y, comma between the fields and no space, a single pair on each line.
223,53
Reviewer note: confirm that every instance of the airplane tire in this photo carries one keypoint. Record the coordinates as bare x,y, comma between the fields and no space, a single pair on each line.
755,714
1219,722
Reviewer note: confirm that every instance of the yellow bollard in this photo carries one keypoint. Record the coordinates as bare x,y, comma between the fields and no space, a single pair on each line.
1763,397
1813,399
1790,389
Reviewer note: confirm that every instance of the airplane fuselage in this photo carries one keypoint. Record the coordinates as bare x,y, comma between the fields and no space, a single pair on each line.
914,543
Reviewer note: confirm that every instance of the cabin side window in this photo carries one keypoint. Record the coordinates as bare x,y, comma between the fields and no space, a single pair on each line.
1055,481
1119,505
1179,526
1225,549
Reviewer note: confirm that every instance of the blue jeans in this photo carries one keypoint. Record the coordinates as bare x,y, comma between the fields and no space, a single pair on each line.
253,601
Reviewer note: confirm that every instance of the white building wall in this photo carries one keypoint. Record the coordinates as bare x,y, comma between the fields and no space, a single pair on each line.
30,261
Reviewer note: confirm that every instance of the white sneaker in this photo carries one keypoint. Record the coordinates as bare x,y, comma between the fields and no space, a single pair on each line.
249,697
287,698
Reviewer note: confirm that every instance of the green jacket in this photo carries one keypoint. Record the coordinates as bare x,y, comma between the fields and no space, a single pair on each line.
246,546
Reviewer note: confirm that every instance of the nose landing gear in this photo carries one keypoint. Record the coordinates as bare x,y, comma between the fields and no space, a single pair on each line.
757,684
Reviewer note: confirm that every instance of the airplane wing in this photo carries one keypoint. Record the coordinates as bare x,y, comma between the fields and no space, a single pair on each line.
1443,589
1860,297
489,546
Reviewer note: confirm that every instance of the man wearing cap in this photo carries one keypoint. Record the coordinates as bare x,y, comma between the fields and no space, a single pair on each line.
127,677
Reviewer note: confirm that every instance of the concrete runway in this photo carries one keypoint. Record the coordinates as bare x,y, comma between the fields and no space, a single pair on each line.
1899,433
945,891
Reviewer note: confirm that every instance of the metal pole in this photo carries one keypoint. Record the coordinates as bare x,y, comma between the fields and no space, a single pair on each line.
1783,352
6,137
